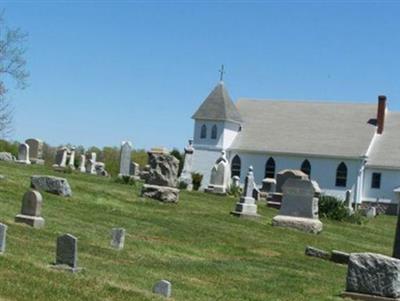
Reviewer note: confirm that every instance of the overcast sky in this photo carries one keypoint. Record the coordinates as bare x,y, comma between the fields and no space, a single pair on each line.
103,72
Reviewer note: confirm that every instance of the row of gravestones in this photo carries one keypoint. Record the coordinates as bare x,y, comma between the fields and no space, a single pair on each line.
67,244
31,152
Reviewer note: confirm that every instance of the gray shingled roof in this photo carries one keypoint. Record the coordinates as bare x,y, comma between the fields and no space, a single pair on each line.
218,106
386,147
309,128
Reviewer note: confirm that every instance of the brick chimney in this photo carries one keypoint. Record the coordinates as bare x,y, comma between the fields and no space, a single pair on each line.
380,118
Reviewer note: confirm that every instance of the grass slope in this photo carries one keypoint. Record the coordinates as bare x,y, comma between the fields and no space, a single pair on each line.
206,253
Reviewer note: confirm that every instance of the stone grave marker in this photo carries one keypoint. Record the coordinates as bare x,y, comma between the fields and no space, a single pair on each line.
246,206
35,150
163,287
31,210
3,236
23,154
220,176
67,253
118,238
125,158
186,175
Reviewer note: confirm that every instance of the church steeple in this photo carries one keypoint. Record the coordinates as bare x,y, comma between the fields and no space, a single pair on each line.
218,106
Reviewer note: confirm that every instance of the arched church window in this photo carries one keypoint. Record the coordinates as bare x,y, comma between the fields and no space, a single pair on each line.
270,168
236,166
214,132
203,132
306,167
341,175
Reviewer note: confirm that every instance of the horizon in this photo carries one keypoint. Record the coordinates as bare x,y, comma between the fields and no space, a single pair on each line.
102,73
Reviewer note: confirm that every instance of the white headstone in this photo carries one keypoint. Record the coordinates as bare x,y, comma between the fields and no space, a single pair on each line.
61,157
3,234
82,164
236,181
246,206
23,153
35,148
71,163
220,175
186,175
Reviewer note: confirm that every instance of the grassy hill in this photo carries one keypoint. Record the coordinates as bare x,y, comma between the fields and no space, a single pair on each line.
205,252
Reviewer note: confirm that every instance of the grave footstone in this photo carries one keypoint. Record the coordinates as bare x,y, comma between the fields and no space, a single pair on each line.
163,287
3,236
118,238
31,210
299,209
246,206
125,158
67,253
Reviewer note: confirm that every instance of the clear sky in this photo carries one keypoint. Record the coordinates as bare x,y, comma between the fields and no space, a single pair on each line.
103,72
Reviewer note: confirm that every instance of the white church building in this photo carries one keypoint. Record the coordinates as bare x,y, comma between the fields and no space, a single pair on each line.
343,146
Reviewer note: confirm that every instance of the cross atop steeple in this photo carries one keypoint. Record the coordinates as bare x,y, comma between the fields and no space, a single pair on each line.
222,72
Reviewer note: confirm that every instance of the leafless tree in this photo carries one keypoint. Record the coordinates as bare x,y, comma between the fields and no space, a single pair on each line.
12,69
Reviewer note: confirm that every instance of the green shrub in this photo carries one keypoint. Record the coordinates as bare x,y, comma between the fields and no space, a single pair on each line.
356,218
196,180
332,208
235,191
180,158
9,147
182,185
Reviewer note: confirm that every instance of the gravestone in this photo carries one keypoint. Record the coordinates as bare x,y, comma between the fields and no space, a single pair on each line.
35,150
67,253
51,184
125,158
6,156
220,176
71,161
186,175
268,185
299,209
3,236
162,178
134,170
61,157
23,154
91,163
31,210
246,206
82,167
235,182
118,238
372,277
163,287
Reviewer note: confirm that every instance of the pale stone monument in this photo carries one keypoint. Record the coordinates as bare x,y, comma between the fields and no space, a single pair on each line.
163,287
117,238
31,210
299,209
23,154
162,178
125,158
220,176
246,207
51,184
372,277
3,236
186,175
71,161
235,182
35,150
61,157
91,163
82,167
268,185
134,170
67,253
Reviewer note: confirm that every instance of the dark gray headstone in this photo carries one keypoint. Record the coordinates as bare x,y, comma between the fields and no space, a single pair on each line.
3,234
67,251
118,238
163,287
32,203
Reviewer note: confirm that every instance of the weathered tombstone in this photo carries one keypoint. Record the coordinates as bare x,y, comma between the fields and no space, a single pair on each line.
91,163
220,176
162,178
163,287
118,238
82,167
23,154
372,277
186,175
134,170
71,161
299,209
61,157
67,253
125,158
51,184
31,210
275,199
35,150
246,206
268,185
3,236
6,156
235,182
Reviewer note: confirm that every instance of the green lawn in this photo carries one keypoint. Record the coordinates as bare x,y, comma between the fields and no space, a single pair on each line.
205,252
